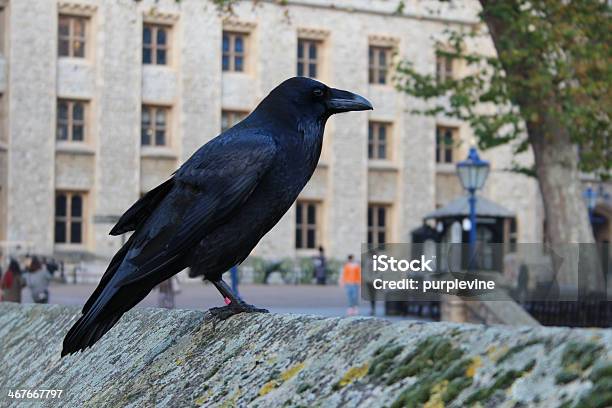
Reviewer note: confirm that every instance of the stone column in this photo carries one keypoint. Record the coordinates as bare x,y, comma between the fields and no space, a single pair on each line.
118,90
31,100
347,192
274,62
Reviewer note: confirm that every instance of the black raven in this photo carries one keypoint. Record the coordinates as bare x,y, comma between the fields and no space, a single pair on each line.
217,205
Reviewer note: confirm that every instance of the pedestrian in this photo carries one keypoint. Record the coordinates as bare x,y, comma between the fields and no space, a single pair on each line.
320,266
368,277
167,291
235,279
12,282
52,266
38,279
351,280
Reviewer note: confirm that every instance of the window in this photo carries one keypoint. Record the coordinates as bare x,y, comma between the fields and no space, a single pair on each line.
445,141
71,36
69,208
306,225
233,54
378,140
230,118
70,120
308,58
154,125
377,224
155,44
379,59
444,68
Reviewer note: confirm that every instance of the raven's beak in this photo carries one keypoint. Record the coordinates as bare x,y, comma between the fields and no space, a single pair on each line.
344,101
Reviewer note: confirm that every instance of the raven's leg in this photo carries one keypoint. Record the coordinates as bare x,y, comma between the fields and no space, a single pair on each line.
234,306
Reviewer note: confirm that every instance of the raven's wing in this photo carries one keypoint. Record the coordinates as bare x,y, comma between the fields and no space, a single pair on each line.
217,180
142,208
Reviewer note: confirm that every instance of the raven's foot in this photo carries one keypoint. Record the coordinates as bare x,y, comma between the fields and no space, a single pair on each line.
233,308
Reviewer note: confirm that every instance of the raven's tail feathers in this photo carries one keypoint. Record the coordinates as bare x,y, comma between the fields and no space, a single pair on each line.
91,325
86,331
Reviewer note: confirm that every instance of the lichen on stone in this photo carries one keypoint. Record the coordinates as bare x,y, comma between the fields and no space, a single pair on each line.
278,378
440,369
602,369
353,374
436,394
576,358
267,387
427,354
292,371
256,360
470,371
517,349
503,380
383,360
580,355
600,394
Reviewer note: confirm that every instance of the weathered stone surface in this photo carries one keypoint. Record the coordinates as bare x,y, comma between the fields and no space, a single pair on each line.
186,358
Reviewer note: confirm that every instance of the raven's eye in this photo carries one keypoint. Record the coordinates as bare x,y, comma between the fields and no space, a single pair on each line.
317,92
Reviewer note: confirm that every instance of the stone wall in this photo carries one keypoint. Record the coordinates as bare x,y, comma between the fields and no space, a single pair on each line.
165,358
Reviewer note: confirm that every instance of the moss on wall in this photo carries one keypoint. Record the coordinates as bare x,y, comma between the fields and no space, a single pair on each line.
166,358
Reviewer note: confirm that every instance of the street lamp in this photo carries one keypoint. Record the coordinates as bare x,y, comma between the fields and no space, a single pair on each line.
472,173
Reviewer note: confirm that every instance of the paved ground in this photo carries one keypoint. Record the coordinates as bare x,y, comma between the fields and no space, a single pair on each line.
302,299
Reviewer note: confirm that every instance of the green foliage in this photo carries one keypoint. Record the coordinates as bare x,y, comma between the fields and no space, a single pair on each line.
553,70
293,270
259,268
225,6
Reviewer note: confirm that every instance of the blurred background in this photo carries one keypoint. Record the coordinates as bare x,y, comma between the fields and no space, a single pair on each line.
100,101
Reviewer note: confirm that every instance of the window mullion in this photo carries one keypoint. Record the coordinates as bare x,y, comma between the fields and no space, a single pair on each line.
376,224
153,129
69,124
376,141
68,218
374,65
305,223
303,226
234,53
154,45
231,52
70,39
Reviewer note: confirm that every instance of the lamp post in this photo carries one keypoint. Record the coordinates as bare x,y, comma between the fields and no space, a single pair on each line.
472,173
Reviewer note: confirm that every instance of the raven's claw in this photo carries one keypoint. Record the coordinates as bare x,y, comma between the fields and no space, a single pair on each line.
225,312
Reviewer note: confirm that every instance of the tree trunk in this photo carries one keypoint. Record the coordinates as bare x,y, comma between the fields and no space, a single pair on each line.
556,165
556,168
566,214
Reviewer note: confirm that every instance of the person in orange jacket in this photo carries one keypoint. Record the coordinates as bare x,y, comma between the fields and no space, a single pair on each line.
351,280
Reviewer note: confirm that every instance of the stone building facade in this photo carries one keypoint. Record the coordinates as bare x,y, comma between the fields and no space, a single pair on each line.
102,100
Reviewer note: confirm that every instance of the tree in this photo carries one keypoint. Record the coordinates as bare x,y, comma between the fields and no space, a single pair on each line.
549,88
